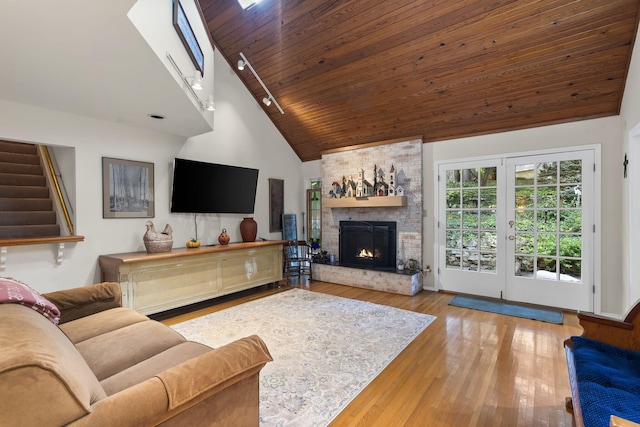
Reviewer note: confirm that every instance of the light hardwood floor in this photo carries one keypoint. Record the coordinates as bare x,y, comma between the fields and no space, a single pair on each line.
468,368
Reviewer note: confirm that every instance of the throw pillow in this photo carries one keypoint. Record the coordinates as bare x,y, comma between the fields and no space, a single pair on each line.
16,292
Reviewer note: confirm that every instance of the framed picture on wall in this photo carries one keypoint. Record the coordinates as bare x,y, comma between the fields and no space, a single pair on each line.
127,189
276,204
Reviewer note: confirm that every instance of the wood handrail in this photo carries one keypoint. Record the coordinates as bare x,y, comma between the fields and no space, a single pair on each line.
39,240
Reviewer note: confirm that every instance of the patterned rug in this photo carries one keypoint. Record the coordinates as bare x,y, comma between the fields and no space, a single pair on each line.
326,349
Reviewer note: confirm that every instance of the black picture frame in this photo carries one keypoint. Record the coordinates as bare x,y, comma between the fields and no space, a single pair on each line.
127,189
187,36
276,204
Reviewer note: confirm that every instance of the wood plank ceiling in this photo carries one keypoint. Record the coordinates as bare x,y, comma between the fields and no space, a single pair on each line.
349,72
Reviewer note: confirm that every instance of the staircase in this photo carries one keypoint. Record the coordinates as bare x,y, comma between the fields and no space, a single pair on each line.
26,208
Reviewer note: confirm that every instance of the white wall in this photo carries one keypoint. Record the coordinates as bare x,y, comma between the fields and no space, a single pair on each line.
243,136
604,131
630,119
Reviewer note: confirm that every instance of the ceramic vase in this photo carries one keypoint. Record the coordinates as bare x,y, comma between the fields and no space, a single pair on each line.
223,238
248,229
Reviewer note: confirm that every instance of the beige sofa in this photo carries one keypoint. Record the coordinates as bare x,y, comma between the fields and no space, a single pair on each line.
105,365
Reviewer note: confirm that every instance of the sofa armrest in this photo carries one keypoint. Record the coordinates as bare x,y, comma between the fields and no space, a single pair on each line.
620,333
80,302
214,370
180,388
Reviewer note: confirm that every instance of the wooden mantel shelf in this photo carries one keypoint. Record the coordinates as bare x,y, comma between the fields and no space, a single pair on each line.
366,202
59,240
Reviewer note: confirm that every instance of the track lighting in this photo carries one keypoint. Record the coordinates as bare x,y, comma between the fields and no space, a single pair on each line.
269,98
240,65
196,81
210,105
192,83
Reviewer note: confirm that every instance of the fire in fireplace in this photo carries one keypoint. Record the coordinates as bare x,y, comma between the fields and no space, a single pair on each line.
368,244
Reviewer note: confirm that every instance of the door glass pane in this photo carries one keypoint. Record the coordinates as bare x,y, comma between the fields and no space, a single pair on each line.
487,220
525,174
524,197
524,243
571,171
488,198
570,196
469,177
469,219
548,220
488,177
470,231
453,199
547,173
470,198
547,197
524,266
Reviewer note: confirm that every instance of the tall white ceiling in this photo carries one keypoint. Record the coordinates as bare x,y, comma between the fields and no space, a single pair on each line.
87,58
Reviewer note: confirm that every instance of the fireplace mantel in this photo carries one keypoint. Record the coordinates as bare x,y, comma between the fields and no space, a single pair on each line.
366,202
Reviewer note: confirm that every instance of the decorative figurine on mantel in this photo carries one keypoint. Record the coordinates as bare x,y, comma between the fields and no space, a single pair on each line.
158,242
223,238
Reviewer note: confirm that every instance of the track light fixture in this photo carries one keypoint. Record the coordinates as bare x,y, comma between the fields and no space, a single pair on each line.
267,100
196,81
210,105
240,65
192,83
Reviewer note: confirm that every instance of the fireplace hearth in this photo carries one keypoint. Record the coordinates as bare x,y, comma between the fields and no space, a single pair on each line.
368,244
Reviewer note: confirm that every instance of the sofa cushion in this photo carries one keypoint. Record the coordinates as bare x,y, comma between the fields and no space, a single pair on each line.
100,323
43,378
608,381
152,366
117,350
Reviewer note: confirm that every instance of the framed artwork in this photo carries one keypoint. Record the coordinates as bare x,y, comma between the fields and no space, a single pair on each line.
276,204
127,189
185,32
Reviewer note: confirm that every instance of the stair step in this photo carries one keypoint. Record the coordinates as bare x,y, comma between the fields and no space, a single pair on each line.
27,218
26,159
25,204
7,232
18,147
21,168
21,180
8,191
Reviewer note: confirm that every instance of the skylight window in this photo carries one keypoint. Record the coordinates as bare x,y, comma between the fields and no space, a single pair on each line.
246,4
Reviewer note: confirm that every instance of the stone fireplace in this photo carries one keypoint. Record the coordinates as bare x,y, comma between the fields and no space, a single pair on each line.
368,244
405,156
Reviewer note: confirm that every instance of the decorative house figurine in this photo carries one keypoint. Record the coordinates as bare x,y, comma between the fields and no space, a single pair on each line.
351,188
392,182
382,189
399,190
363,187
337,190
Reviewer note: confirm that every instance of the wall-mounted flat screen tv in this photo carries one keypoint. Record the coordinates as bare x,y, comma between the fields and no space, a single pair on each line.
200,187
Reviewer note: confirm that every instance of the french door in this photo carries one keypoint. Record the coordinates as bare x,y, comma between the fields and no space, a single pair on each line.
519,228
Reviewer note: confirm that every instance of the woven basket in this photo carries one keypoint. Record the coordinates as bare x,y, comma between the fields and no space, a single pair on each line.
155,246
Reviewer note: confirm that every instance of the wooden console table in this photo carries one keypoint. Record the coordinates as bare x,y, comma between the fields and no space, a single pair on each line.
151,283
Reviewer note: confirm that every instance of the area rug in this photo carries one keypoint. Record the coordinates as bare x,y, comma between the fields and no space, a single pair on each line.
507,308
326,349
